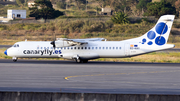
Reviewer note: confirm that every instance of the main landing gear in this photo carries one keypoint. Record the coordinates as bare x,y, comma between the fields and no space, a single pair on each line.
79,60
14,59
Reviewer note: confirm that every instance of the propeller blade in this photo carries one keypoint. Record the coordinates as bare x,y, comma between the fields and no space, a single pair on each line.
53,43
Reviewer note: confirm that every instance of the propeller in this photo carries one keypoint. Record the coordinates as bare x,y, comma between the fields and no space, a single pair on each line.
53,42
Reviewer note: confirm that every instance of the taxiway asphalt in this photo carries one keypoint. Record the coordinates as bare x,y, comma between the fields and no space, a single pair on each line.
91,77
5,46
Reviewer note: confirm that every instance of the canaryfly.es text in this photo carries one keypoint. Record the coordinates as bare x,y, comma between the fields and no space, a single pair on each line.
42,52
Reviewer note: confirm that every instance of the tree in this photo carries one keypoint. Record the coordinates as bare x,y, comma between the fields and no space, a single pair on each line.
101,3
171,1
120,18
142,4
61,5
177,5
19,2
118,5
158,9
79,2
43,9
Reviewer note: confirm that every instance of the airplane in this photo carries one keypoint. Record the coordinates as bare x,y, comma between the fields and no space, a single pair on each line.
82,50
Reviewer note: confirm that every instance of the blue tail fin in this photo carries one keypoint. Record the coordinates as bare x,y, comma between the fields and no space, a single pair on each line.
159,34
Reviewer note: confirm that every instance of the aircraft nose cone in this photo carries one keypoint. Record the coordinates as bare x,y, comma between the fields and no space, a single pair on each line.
5,52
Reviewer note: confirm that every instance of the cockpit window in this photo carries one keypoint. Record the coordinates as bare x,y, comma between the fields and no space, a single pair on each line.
15,45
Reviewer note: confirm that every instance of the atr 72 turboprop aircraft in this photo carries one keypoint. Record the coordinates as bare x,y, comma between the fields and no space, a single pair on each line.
82,50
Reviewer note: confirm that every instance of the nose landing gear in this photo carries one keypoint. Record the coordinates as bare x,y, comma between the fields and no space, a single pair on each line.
14,59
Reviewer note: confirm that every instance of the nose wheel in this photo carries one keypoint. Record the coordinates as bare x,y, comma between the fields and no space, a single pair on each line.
14,59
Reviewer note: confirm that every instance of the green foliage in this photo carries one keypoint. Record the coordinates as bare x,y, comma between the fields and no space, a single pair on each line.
43,9
31,26
3,27
61,5
172,2
1,5
16,27
120,18
82,26
142,4
174,54
158,9
121,5
102,3
79,2
176,25
19,2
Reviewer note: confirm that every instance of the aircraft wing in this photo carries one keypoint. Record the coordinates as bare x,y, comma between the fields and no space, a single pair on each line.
88,39
80,41
84,41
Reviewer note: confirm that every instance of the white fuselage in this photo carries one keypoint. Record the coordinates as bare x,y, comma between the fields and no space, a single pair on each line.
92,50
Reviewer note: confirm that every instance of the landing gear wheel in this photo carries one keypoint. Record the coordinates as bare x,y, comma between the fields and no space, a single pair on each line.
81,61
14,59
78,60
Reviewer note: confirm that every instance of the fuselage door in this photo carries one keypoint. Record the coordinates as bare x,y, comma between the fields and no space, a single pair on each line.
127,49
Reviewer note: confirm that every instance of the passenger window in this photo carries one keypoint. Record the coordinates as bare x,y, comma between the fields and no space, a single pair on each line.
119,47
67,47
113,47
51,47
106,47
99,47
44,47
58,48
89,48
47,47
81,47
71,47
74,47
92,47
41,47
103,47
109,47
64,47
85,48
17,45
78,47
37,47
96,48
116,47
61,47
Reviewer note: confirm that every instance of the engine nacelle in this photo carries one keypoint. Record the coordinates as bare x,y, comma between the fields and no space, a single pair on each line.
63,43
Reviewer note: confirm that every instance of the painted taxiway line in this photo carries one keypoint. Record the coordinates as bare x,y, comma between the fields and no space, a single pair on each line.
68,77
